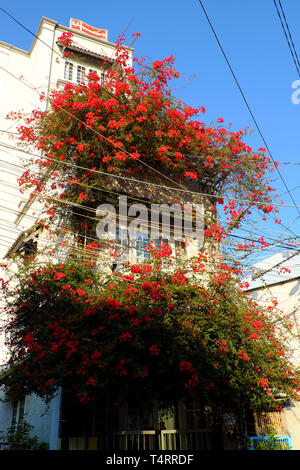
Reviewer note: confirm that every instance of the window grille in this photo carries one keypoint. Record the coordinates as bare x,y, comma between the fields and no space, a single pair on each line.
68,73
80,74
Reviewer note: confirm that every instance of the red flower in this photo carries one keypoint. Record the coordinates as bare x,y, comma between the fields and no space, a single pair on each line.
154,350
28,339
92,382
58,276
93,76
263,383
186,366
80,148
146,285
162,150
192,174
127,336
58,145
267,209
82,197
243,355
80,292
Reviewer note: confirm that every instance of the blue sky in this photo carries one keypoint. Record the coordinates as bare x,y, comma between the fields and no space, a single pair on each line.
251,35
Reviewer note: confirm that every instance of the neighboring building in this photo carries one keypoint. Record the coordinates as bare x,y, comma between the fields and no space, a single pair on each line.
278,279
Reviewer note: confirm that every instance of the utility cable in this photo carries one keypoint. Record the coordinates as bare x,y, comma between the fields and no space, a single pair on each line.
287,33
247,104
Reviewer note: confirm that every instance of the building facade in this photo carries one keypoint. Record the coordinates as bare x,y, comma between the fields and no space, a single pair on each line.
26,81
277,279
25,78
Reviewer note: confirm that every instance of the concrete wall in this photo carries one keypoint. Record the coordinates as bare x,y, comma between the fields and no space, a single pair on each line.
287,295
28,73
44,419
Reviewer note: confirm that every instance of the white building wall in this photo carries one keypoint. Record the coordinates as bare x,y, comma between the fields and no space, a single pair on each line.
287,295
24,75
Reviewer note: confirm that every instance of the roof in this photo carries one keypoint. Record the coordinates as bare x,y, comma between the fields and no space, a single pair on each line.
44,19
24,237
76,48
282,267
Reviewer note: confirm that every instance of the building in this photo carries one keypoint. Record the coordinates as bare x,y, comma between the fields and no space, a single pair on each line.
277,279
50,64
26,81
26,78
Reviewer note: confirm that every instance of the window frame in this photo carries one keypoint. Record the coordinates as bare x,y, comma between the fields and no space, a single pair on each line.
68,71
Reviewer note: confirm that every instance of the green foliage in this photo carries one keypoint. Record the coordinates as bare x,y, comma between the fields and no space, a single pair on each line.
153,330
272,443
18,437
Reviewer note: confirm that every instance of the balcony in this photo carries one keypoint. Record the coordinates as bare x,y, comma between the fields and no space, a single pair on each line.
174,439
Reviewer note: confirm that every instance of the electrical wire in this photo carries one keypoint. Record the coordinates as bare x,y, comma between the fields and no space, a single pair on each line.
60,162
247,104
92,210
172,180
82,235
287,33
129,197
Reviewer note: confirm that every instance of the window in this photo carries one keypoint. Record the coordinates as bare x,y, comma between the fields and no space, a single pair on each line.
133,250
68,73
80,74
17,412
142,240
93,71
100,75
122,247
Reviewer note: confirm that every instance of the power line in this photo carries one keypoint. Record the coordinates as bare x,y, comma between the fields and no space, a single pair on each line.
217,157
112,143
140,200
155,169
247,104
60,162
82,122
287,33
287,229
92,210
130,197
287,247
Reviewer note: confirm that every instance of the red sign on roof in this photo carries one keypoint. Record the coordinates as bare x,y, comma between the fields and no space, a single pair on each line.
79,25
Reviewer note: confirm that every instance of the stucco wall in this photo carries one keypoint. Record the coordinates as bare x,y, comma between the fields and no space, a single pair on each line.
287,295
45,419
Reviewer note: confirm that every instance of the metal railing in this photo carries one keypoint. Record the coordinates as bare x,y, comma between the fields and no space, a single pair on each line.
193,439
264,443
174,439
135,440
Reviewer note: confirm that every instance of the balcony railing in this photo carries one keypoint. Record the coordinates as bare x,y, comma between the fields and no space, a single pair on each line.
263,443
174,439
195,439
135,440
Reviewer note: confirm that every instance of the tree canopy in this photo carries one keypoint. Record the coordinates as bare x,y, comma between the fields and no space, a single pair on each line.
158,327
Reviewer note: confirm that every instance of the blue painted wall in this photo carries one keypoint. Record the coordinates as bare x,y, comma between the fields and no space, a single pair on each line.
44,419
